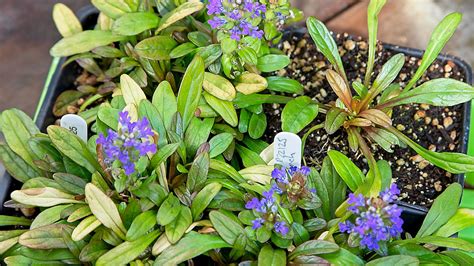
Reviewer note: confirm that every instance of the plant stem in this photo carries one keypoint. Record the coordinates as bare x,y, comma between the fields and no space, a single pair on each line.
364,148
306,135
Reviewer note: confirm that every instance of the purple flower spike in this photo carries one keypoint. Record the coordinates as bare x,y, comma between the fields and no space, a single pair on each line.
132,141
280,227
376,221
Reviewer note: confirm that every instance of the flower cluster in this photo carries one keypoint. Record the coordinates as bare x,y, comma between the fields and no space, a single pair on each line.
266,210
239,18
133,140
377,220
291,183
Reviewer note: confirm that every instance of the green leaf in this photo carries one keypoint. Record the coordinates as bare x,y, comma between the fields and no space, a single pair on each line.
147,110
224,108
182,50
218,86
342,257
395,260
198,172
460,257
197,133
131,91
283,84
203,198
440,36
375,6
163,154
109,116
347,170
73,147
272,62
226,169
156,48
248,55
70,183
165,101
6,220
179,13
244,101
80,213
335,118
65,20
85,227
209,53
16,166
249,83
455,163
199,38
112,8
17,129
271,257
127,251
176,229
313,247
131,24
219,143
227,228
192,245
443,208
462,219
42,197
48,216
448,242
45,237
301,234
387,74
257,125
93,250
298,113
330,188
437,92
84,42
169,210
325,43
190,89
142,224
104,210
249,157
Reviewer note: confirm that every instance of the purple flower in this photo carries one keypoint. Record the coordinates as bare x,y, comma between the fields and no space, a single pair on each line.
376,220
133,140
214,7
257,223
217,22
280,227
235,33
280,175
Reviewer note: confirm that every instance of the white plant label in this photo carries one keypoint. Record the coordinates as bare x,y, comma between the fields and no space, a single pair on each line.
76,125
287,149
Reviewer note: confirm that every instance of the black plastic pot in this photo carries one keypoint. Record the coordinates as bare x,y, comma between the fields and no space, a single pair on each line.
63,79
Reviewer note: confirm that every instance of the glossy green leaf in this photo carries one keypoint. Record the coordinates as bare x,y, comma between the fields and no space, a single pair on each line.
165,101
70,183
85,227
175,230
199,38
249,157
343,257
198,172
179,13
330,188
156,48
6,220
272,62
65,20
387,74
283,84
104,210
314,247
131,24
127,251
16,166
347,170
257,125
84,42
142,224
226,169
244,101
227,228
218,86
271,257
440,36
42,197
325,43
169,210
249,83
375,6
48,216
192,245
224,108
248,55
45,237
395,260
182,50
73,147
447,242
334,120
190,90
112,8
219,143
462,219
298,113
459,257
80,213
147,110
197,133
93,250
203,198
441,210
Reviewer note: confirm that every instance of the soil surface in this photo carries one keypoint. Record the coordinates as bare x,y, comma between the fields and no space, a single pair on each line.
437,128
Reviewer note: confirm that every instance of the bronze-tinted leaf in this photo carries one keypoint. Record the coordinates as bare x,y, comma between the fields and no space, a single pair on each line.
378,117
339,86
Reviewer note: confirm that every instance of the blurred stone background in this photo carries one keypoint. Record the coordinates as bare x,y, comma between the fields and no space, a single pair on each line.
27,32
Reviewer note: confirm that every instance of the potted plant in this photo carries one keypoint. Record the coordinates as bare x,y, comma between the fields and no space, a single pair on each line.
168,176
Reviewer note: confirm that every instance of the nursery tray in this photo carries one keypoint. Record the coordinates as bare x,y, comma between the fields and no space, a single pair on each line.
60,79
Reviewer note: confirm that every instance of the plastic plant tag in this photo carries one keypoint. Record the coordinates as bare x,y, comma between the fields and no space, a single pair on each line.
76,125
287,149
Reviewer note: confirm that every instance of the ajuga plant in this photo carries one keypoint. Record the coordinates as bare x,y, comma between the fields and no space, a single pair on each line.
155,41
121,198
364,110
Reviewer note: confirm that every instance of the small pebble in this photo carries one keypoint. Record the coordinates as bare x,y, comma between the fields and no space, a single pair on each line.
448,121
448,68
400,127
72,109
419,114
427,120
435,122
432,147
400,162
349,45
423,164
438,187
424,106
453,134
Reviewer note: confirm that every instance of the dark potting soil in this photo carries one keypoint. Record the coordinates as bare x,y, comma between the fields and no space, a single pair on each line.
436,128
